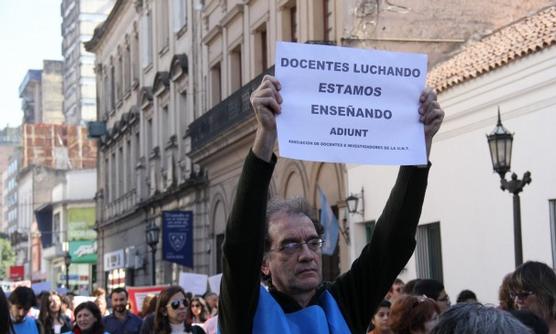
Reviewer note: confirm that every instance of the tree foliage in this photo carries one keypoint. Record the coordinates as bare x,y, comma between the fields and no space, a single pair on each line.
7,258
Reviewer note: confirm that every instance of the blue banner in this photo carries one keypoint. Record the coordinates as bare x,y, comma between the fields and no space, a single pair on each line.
177,237
330,224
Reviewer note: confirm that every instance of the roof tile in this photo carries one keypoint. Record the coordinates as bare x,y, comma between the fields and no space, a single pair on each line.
523,37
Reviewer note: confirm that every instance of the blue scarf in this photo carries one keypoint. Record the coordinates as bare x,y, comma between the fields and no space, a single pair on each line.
324,318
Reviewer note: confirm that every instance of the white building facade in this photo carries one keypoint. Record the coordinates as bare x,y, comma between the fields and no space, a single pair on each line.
465,236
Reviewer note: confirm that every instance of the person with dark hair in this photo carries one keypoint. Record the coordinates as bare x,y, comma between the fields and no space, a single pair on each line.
5,319
171,313
67,306
413,315
21,301
533,288
396,290
88,319
475,318
435,290
100,300
211,299
467,296
121,321
197,312
504,297
285,244
531,320
380,323
409,286
51,318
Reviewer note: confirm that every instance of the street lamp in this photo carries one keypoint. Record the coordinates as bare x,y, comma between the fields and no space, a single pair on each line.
67,262
352,203
500,145
153,232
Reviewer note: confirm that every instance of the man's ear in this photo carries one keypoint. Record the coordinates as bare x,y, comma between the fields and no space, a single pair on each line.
265,268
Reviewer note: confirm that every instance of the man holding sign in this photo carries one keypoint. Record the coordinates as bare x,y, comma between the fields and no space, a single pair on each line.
284,244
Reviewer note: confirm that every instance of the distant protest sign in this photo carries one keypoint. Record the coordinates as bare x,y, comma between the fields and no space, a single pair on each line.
350,105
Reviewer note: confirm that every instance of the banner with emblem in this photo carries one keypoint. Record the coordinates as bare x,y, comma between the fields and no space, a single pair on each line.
177,237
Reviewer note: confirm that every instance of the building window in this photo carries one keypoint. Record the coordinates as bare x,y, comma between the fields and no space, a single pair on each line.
429,252
57,229
135,56
370,229
289,21
106,180
147,32
163,24
127,68
129,166
149,136
215,84
324,19
112,88
119,78
166,126
179,7
121,177
219,257
106,93
261,50
113,171
235,68
552,207
137,154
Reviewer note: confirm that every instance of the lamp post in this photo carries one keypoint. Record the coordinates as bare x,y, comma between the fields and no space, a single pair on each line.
153,232
500,145
67,262
352,203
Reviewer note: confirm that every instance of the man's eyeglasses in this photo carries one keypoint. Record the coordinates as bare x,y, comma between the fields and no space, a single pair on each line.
293,247
175,304
521,295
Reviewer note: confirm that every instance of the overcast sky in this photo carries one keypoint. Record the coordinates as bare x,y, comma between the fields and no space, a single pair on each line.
30,31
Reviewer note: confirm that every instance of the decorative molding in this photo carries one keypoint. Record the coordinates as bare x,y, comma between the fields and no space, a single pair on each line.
217,29
161,82
231,14
179,66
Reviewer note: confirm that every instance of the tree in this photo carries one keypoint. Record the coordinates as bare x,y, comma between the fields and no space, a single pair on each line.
7,258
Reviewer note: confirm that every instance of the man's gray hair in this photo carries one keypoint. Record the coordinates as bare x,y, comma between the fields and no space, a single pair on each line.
479,319
296,206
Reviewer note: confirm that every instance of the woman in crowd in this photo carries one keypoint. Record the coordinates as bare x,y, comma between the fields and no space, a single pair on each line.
5,319
100,300
197,312
504,298
51,317
533,288
148,306
466,318
380,321
88,319
171,312
413,315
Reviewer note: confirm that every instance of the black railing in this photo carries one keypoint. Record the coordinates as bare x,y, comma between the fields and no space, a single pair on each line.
234,110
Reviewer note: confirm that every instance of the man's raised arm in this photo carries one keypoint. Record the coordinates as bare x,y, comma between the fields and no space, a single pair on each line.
244,238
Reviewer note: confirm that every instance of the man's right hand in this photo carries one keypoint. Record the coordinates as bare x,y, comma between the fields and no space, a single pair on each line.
266,100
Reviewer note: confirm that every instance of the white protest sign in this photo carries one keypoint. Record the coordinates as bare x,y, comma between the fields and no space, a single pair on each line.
214,283
194,283
350,105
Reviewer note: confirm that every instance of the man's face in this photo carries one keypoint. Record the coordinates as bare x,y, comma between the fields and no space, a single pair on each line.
443,301
298,271
119,302
396,292
18,312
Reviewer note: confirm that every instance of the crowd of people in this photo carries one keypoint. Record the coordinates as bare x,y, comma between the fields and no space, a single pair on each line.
170,312
527,304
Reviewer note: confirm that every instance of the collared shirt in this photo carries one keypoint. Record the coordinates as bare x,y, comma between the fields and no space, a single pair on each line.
130,325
